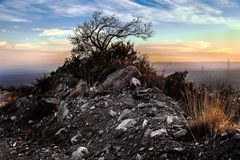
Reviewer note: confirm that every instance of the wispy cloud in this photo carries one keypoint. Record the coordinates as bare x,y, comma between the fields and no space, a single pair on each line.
181,11
3,30
53,32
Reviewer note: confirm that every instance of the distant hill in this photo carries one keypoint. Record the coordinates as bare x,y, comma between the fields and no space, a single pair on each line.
7,80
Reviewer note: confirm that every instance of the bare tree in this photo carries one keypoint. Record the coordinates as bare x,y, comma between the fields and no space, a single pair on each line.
100,31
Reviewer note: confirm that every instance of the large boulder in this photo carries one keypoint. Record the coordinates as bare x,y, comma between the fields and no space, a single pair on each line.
121,79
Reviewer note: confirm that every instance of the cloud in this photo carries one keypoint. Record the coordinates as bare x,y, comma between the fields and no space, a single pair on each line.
3,43
3,30
53,32
180,11
44,52
176,51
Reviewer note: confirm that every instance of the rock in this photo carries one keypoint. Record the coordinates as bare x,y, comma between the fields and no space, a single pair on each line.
120,80
101,158
151,112
163,157
144,105
138,157
113,113
178,149
79,153
127,123
169,119
13,118
134,83
159,132
75,139
79,89
93,107
62,111
124,114
180,133
84,107
101,132
61,134
144,124
236,136
30,121
52,101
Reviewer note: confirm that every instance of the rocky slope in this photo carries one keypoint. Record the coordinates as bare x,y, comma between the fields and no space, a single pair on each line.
117,119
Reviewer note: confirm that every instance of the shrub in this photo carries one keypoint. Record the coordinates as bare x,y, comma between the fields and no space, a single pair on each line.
176,84
210,114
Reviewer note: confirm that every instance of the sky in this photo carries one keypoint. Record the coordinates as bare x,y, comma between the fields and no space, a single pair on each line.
36,33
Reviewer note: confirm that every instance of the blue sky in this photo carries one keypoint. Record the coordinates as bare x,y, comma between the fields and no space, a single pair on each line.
34,32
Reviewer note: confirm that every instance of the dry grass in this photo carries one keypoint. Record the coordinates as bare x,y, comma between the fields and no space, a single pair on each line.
7,99
211,115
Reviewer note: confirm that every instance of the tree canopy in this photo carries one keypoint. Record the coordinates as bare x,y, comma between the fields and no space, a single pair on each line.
100,31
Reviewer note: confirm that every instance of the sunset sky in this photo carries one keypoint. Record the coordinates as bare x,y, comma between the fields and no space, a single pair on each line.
36,32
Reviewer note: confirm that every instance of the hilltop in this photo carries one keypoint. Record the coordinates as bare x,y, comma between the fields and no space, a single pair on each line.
117,119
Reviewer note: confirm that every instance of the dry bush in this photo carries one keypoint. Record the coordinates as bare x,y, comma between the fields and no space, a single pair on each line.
210,114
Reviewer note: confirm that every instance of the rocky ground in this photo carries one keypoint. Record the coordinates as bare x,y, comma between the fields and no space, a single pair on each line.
117,119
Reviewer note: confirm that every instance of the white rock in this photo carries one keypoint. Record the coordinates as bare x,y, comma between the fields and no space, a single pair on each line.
159,132
178,149
180,133
169,119
79,153
62,111
14,144
75,139
124,114
135,82
60,131
113,113
138,157
84,107
93,107
127,123
52,100
101,158
13,118
144,124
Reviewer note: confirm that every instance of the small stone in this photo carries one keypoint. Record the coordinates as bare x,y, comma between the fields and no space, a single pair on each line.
163,157
236,136
180,133
62,111
159,132
79,153
138,157
178,149
14,144
75,139
144,124
113,113
124,114
93,107
150,149
101,132
30,121
169,119
61,134
84,107
13,118
127,123
101,158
